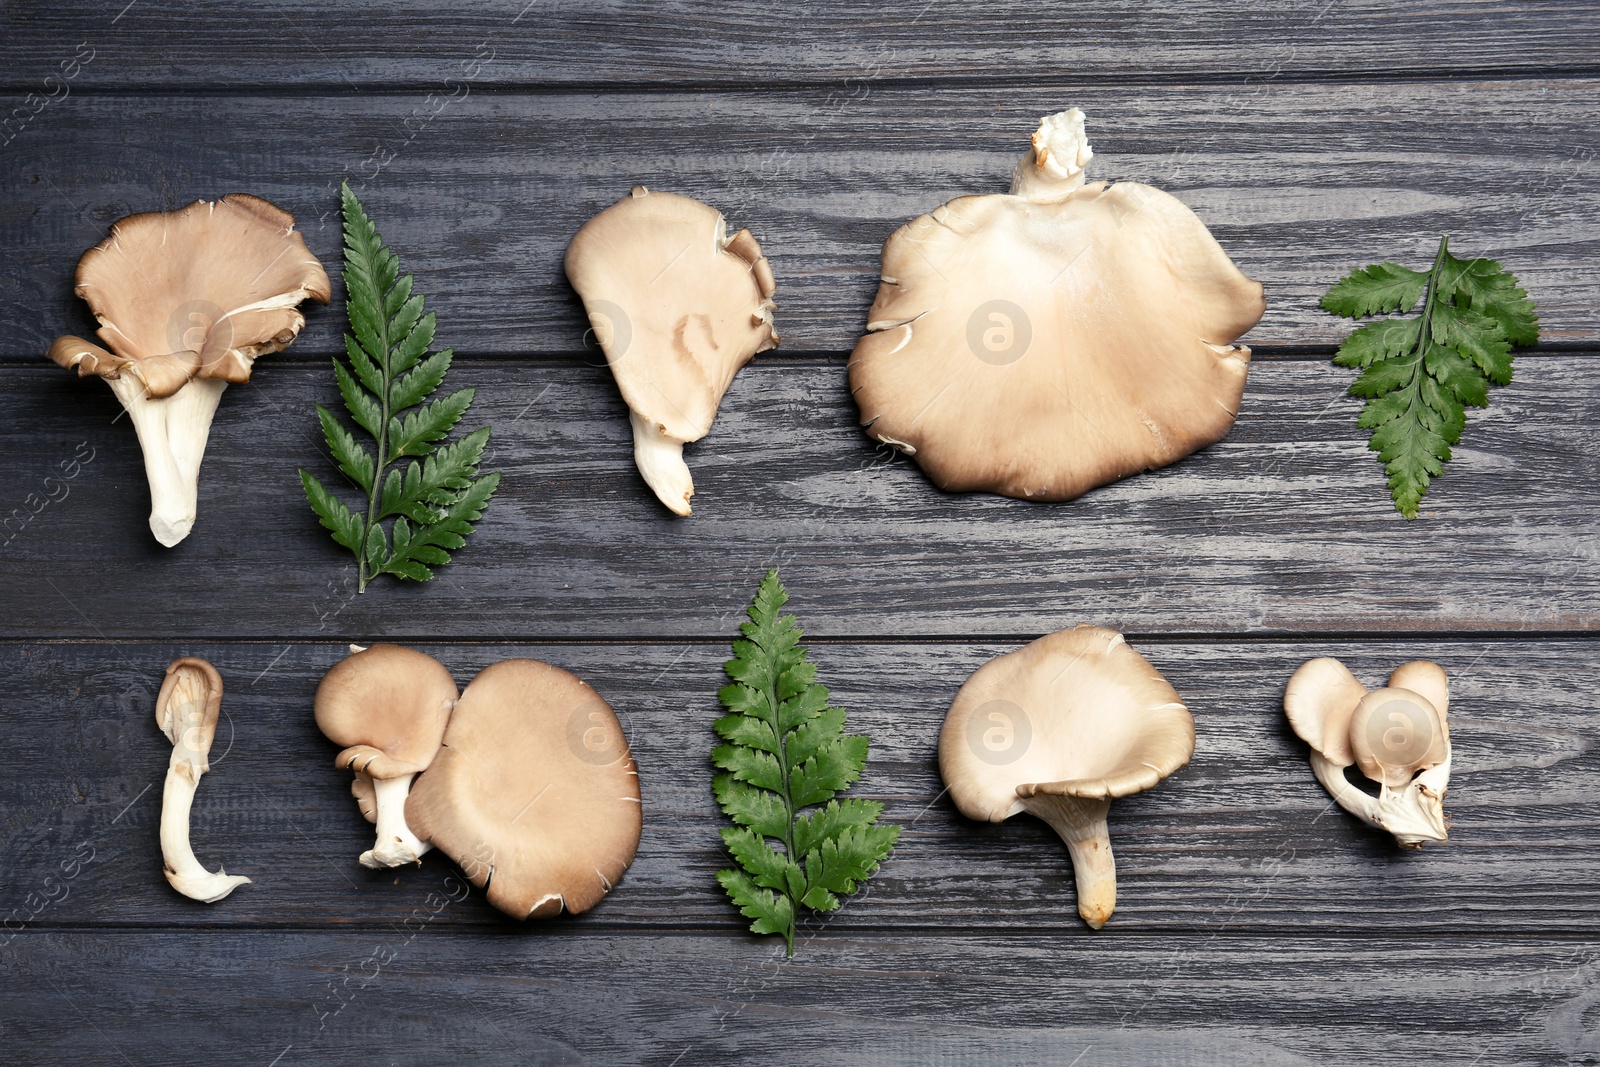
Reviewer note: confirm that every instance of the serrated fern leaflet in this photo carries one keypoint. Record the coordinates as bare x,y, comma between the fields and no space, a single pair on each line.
437,495
1420,374
786,751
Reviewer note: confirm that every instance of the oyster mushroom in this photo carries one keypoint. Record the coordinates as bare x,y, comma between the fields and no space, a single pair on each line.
1042,342
186,301
1398,737
534,793
678,307
186,711
388,706
1057,729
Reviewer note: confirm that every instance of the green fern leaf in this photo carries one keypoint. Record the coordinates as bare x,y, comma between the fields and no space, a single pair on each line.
434,499
786,751
1419,374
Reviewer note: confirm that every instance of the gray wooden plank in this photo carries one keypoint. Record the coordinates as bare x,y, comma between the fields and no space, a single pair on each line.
1243,840
560,42
1286,525
552,998
1299,182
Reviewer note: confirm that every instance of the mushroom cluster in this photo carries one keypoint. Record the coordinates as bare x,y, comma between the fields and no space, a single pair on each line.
678,307
187,709
1058,729
186,301
1398,737
1042,342
525,780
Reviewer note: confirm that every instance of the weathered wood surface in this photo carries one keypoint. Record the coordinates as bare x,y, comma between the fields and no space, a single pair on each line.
1299,182
415,994
564,42
1284,526
1256,922
1242,840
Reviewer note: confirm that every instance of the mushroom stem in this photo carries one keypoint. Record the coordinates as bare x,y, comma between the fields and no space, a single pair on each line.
183,869
396,843
1081,823
660,460
172,433
1053,167
1414,814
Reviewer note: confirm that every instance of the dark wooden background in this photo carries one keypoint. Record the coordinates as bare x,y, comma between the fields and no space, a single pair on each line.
1256,923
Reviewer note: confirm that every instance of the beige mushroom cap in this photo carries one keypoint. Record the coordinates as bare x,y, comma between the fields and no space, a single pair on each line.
535,793
191,674
1041,345
388,706
695,304
1321,698
1076,713
199,292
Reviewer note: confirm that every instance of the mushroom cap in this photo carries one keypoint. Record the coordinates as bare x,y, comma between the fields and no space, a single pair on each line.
1040,348
187,678
388,707
534,793
1076,713
1389,733
677,305
1320,700
1394,733
199,292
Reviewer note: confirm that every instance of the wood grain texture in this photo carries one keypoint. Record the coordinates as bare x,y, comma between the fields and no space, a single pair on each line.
534,998
1243,840
564,42
1284,526
1299,182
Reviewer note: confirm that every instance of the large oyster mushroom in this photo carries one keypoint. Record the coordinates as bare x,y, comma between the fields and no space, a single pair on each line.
1042,342
186,301
678,307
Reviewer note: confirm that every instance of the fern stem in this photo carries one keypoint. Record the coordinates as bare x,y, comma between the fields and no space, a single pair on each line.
363,574
1425,331
788,801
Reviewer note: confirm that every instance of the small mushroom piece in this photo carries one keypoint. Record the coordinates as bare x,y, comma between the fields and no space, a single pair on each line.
535,793
186,301
678,307
1042,342
1058,729
186,711
388,706
1398,737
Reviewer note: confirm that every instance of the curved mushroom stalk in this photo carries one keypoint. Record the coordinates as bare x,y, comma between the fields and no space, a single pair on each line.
187,300
1058,729
187,710
660,461
1045,341
1398,737
678,306
172,431
1081,823
388,706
